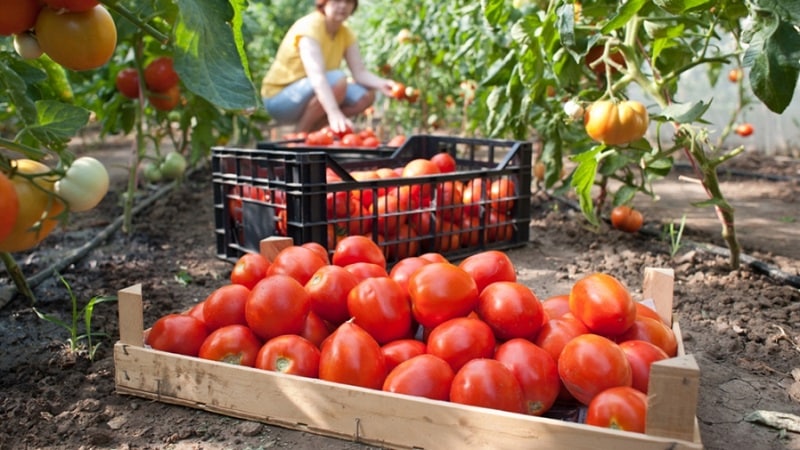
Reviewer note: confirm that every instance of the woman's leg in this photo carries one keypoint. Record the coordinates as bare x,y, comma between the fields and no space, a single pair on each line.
314,116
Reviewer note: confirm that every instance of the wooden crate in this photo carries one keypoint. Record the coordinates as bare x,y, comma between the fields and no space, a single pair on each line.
394,420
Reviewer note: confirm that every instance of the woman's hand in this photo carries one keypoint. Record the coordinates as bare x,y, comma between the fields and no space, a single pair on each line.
339,123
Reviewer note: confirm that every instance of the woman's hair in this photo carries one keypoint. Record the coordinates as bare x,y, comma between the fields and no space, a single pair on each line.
321,4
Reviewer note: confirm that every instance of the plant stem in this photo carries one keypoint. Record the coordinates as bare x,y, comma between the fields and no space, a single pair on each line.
124,12
16,274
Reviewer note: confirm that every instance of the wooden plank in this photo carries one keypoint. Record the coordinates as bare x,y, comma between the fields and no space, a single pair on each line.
131,319
354,413
659,285
672,398
271,246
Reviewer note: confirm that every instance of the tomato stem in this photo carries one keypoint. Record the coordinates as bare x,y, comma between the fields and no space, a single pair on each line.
124,12
16,274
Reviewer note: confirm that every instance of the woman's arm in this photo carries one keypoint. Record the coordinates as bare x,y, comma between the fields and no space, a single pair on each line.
311,55
363,76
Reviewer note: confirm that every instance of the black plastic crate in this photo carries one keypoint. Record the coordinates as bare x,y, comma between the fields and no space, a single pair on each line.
338,152
284,191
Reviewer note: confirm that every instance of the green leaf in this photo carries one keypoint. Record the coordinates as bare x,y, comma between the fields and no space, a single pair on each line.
774,58
56,123
209,54
685,112
680,6
17,92
625,14
583,179
624,194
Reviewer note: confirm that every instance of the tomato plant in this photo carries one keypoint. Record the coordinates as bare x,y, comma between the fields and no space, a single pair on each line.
381,307
351,356
231,344
620,408
487,383
84,184
590,364
77,40
460,340
511,309
225,306
603,303
289,354
422,376
177,333
18,16
627,219
277,305
536,371
441,291
249,269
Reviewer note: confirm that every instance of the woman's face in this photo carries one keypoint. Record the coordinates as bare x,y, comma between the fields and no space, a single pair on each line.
339,10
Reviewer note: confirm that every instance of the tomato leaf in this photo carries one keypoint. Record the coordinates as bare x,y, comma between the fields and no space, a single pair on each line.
209,52
56,123
583,180
625,14
680,6
685,112
773,56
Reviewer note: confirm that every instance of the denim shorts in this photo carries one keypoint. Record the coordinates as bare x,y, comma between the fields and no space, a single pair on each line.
288,105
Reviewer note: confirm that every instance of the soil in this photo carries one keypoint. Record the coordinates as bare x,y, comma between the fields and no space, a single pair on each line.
742,326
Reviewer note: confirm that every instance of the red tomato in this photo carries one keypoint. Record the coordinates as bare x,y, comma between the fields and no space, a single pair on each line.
277,305
249,269
489,266
328,289
422,376
351,356
536,372
351,140
289,354
71,5
297,262
370,141
744,129
441,291
511,309
501,195
603,303
363,270
381,308
641,354
403,269
127,82
460,340
315,329
401,350
487,383
473,196
449,196
197,312
434,257
225,306
396,141
159,75
556,306
555,334
653,331
353,249
445,162
620,408
232,344
626,219
177,333
642,310
420,167
590,364
319,249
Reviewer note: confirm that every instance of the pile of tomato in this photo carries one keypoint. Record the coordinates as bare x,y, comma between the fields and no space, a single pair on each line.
465,332
349,138
78,34
34,197
408,218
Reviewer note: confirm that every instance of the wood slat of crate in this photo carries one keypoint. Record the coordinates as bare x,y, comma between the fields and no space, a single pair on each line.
382,418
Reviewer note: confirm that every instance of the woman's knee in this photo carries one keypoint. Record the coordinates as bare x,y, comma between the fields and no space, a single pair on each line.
340,89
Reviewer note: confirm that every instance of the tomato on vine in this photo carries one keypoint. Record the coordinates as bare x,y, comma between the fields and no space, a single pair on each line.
9,204
166,100
159,75
18,16
127,82
72,5
744,129
615,123
84,184
77,40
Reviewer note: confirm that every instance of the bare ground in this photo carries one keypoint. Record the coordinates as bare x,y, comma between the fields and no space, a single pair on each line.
742,326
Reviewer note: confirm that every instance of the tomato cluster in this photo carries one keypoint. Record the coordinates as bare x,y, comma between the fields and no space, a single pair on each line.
325,137
466,332
33,196
161,81
78,34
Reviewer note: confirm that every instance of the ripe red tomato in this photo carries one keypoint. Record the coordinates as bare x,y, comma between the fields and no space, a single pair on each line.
511,309
297,262
556,306
232,344
555,334
71,5
396,141
315,329
744,129
277,305
734,75
444,161
487,383
489,266
351,140
319,249
289,354
420,167
434,257
159,74
653,331
422,376
197,311
381,308
627,219
177,333
460,340
398,90
166,100
225,306
536,372
249,269
502,195
620,408
401,350
353,249
363,270
403,269
603,303
642,310
441,291
351,356
590,364
18,16
641,354
127,82
328,289
449,195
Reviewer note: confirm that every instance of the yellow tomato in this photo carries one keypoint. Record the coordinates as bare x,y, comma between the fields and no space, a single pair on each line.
38,206
77,40
616,123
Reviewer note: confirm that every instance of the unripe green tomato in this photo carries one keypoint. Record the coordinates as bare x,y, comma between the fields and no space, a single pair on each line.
174,166
84,184
152,172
